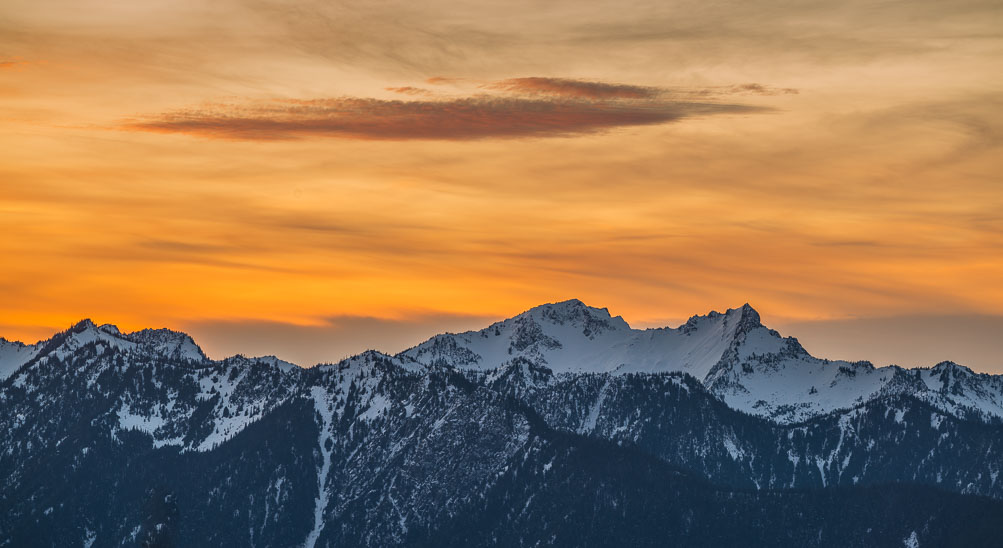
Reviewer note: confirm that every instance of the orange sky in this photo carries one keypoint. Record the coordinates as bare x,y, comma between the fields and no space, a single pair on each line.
212,165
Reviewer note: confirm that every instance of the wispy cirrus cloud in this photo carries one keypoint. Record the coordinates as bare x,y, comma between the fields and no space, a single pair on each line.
409,90
12,63
443,80
580,89
759,89
527,107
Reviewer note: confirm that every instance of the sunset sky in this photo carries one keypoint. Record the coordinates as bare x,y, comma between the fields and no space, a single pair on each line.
311,179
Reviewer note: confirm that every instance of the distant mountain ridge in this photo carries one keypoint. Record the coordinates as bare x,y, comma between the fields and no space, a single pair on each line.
733,422
751,367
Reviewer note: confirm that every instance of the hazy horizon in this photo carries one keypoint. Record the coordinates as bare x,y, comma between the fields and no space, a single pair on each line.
906,341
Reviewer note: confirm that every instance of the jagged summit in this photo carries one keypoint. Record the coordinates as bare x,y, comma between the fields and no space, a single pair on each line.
746,364
750,366
274,361
83,325
748,316
570,336
573,312
947,364
166,343
110,329
169,343
373,360
743,318
552,333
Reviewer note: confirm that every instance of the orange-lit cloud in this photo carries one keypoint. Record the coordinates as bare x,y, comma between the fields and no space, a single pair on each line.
17,64
443,80
581,108
409,90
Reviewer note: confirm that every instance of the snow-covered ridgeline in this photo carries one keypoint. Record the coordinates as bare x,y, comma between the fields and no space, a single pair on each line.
165,343
751,367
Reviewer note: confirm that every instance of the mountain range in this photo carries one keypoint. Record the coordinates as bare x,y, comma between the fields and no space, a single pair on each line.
561,426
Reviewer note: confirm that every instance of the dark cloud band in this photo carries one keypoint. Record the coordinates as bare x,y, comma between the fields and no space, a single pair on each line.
570,111
580,89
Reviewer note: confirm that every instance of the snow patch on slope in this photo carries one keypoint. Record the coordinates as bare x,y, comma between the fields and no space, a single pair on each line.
589,424
322,406
13,355
128,420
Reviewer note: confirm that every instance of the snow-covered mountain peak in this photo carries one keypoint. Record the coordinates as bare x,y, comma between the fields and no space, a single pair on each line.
83,333
110,329
573,312
748,317
83,324
373,362
159,342
14,354
751,367
168,343
951,366
277,362
737,320
570,336
950,377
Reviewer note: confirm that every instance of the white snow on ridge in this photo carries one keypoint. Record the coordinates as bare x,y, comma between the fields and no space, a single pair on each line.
234,409
801,387
227,422
163,342
570,337
172,344
279,363
85,333
751,367
13,355
955,388
366,361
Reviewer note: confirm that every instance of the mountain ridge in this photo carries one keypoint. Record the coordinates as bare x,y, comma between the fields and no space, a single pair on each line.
405,449
751,367
751,315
